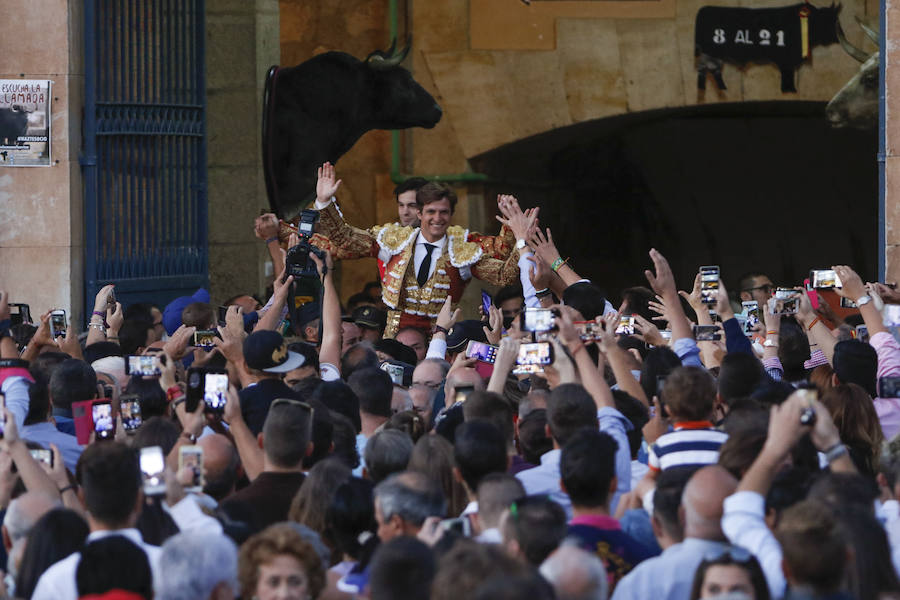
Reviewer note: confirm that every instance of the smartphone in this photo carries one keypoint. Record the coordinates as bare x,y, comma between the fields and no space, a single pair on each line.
788,303
204,338
192,456
751,309
215,392
19,313
223,310
130,412
394,371
104,423
824,279
143,365
889,387
811,293
533,357
862,333
153,466
486,302
588,331
665,334
626,325
660,382
43,455
462,392
707,333
537,319
84,421
460,525
709,284
58,323
481,351
848,303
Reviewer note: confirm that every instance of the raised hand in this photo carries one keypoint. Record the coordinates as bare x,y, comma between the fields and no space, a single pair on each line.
447,317
326,185
176,346
101,300
647,332
853,285
543,246
266,226
520,223
663,282
539,273
695,298
494,330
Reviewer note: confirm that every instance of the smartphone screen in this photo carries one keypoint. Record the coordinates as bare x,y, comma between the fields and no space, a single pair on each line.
104,424
532,357
537,319
626,325
42,455
143,365
824,279
215,391
19,313
709,284
481,351
205,338
587,330
130,411
751,309
58,323
784,297
192,457
223,310
707,333
153,466
486,302
394,371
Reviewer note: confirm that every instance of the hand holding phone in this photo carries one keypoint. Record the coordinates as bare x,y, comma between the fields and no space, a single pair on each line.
709,284
153,467
192,457
57,323
533,358
104,422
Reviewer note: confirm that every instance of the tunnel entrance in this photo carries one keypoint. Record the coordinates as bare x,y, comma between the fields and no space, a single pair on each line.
752,186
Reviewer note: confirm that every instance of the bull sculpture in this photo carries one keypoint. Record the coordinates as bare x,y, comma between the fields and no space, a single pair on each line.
783,35
856,104
314,112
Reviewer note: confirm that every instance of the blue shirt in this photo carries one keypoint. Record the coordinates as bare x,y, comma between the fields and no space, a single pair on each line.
603,536
46,433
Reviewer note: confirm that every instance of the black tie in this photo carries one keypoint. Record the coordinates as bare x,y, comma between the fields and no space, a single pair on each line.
425,266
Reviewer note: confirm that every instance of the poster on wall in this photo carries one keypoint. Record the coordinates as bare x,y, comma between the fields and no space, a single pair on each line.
25,123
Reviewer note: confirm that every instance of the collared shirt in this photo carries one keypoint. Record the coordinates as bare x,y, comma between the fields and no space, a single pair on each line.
544,478
668,576
743,523
489,536
46,433
421,251
58,582
470,509
692,443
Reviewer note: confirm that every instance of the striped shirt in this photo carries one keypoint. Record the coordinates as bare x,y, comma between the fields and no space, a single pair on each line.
692,443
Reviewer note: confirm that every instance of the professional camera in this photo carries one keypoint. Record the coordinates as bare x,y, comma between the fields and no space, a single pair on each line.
298,262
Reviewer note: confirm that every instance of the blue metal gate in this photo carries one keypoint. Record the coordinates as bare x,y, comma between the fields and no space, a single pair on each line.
144,155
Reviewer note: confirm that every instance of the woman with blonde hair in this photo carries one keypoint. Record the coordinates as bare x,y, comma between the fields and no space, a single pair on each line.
279,563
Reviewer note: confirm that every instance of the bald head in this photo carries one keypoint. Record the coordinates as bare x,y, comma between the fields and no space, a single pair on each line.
575,574
462,377
702,502
220,464
24,512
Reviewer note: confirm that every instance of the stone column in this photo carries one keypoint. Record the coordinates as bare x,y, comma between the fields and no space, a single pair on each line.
891,57
41,216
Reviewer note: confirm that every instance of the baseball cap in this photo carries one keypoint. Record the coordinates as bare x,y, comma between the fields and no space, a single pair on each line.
464,331
266,351
369,317
172,311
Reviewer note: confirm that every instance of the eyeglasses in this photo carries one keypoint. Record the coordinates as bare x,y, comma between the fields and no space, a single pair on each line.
734,553
766,287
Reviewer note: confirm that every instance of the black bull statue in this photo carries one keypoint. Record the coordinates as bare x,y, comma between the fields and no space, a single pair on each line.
314,113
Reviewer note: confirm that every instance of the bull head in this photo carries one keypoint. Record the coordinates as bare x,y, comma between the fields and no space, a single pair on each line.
856,104
390,58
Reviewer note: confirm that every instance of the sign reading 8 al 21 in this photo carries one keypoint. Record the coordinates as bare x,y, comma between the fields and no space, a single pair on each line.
783,36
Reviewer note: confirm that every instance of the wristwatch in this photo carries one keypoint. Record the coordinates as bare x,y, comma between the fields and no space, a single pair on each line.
770,343
863,300
520,244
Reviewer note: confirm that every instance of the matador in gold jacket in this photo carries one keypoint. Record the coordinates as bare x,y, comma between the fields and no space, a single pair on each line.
422,265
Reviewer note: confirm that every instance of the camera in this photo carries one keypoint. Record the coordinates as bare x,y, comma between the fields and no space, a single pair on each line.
143,365
19,313
130,413
788,299
104,422
297,262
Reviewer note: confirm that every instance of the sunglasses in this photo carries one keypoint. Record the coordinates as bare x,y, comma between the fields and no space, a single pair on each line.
734,553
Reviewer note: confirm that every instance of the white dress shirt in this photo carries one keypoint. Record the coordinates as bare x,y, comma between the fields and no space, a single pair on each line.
421,251
744,524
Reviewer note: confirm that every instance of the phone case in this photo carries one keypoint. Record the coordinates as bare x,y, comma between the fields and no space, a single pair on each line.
84,421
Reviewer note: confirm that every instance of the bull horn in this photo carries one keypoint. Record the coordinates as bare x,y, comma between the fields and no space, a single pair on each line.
847,46
385,60
870,33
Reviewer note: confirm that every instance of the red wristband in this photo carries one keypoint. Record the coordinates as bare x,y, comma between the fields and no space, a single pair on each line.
174,392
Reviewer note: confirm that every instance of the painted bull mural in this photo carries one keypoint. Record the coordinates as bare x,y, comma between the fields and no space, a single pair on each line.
314,112
856,104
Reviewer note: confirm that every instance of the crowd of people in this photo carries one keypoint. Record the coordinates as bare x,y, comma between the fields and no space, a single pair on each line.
551,446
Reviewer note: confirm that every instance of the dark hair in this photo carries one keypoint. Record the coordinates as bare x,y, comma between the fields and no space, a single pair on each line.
134,335
750,565
856,362
538,524
155,524
402,568
793,349
409,422
109,474
569,409
152,397
739,375
789,487
670,486
73,380
515,587
587,467
479,450
374,389
308,352
435,192
638,414
741,449
689,394
198,314
813,545
638,300
411,184
322,434
533,439
746,280
659,362
857,422
586,298
772,392
45,363
492,407
111,563
99,350
387,452
339,397
358,356
310,504
350,515
38,402
287,432
433,457
871,572
343,436
836,490
467,565
55,536
509,292
156,431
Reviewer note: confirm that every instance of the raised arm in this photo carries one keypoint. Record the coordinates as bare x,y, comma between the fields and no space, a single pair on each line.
266,228
817,331
663,283
591,377
618,359
330,350
545,248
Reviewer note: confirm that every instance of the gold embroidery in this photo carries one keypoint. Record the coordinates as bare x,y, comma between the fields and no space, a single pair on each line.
279,354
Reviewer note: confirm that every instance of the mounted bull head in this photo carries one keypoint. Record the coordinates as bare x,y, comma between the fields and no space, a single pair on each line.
316,111
856,104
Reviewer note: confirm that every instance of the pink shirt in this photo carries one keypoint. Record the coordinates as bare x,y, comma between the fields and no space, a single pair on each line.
888,409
